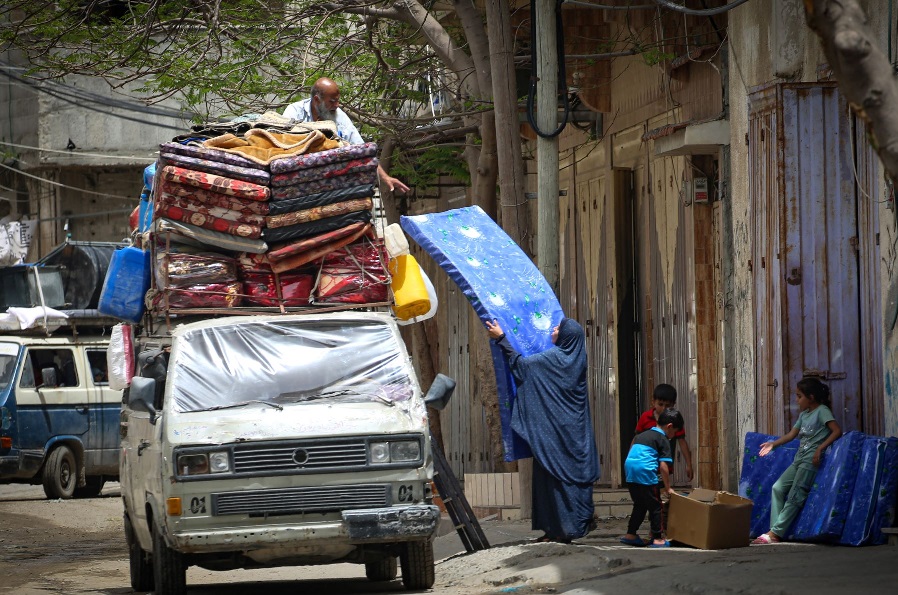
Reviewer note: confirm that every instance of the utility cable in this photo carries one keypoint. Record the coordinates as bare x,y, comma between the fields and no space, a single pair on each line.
46,181
6,144
71,90
700,12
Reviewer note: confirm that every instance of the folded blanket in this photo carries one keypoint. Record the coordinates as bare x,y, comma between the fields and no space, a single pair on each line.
262,289
247,174
244,230
216,183
211,295
315,213
264,146
163,198
354,274
168,230
346,153
183,270
312,228
325,185
287,205
297,260
214,199
286,250
331,170
248,262
200,152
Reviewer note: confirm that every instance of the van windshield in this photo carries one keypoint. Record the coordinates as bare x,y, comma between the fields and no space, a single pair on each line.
288,362
8,355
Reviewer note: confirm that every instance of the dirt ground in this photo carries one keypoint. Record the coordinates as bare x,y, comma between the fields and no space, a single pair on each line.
77,547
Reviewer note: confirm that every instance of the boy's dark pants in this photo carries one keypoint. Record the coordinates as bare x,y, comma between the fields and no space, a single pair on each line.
646,499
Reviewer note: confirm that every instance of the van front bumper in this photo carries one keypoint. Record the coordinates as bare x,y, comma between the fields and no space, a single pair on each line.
357,527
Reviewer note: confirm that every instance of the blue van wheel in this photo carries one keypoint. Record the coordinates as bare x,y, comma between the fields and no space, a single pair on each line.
60,473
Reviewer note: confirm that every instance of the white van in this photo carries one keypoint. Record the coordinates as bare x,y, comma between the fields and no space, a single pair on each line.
257,441
59,420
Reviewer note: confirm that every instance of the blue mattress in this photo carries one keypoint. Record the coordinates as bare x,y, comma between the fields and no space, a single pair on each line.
501,282
824,513
859,521
760,473
884,513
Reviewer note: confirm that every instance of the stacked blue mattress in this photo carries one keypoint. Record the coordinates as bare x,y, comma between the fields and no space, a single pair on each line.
501,283
853,496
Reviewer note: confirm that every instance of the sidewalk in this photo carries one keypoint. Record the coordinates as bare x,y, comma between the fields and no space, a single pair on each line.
598,564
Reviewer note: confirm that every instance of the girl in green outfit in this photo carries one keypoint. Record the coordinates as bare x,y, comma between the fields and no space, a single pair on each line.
817,429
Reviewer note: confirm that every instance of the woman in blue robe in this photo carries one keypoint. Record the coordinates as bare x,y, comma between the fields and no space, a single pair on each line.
551,414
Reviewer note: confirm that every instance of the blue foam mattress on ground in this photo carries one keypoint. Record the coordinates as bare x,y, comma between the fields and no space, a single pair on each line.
873,501
824,513
501,282
760,473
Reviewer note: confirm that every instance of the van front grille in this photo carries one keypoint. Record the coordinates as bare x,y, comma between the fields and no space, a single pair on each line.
256,503
299,456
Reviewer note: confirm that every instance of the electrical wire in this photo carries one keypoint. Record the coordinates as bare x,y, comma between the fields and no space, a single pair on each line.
700,12
86,106
79,93
132,157
46,181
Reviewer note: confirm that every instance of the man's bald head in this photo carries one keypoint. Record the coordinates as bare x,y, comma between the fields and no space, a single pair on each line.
325,99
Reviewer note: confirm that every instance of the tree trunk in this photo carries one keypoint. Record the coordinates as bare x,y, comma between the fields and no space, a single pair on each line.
513,213
863,71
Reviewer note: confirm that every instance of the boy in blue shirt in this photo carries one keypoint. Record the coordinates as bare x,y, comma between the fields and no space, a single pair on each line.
643,467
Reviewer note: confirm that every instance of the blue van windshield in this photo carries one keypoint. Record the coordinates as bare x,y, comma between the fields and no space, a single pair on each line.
8,355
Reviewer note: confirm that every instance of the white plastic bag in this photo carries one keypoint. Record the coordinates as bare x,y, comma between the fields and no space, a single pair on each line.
120,357
431,293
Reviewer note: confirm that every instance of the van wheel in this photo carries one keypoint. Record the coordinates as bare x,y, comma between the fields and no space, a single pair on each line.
382,570
60,473
169,570
140,561
416,559
92,488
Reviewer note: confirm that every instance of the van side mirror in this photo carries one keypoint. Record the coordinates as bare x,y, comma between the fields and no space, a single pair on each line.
49,377
440,391
141,394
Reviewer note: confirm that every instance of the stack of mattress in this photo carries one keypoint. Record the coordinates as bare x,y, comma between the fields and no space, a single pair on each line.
252,220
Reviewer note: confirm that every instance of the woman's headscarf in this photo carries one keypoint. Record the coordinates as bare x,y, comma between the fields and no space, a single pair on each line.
551,411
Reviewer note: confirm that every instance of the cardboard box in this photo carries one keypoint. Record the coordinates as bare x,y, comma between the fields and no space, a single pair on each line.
710,520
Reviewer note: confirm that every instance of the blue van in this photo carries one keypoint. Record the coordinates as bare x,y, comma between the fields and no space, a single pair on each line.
59,420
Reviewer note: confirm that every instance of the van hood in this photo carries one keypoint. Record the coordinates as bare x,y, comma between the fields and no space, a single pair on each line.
256,421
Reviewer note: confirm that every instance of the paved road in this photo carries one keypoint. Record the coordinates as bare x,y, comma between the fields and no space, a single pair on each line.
77,547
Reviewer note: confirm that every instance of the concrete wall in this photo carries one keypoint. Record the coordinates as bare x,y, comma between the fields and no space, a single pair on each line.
92,186
770,42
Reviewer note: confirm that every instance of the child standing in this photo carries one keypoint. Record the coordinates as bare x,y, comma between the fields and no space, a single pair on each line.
665,397
645,462
817,429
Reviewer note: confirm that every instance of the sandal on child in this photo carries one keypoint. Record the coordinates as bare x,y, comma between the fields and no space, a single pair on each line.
665,544
765,539
638,542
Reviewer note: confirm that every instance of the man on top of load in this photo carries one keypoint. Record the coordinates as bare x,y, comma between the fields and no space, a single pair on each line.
324,104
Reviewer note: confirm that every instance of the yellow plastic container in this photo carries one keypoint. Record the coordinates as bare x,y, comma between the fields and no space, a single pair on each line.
409,292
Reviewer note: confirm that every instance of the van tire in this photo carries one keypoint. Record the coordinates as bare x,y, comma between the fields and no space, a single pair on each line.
416,560
382,570
60,473
92,488
140,562
169,569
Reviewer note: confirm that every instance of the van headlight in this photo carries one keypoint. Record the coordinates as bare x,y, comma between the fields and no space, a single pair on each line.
399,451
203,463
